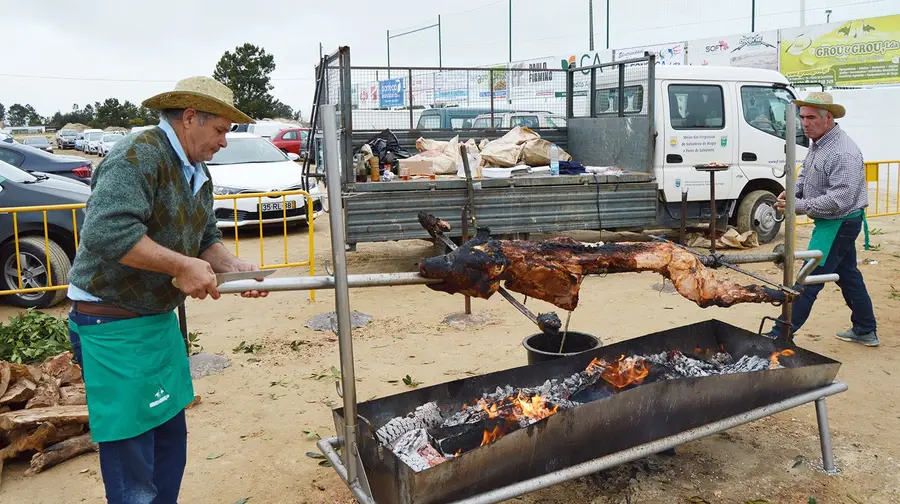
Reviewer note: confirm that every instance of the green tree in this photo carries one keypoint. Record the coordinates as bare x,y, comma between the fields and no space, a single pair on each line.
18,115
2,112
246,71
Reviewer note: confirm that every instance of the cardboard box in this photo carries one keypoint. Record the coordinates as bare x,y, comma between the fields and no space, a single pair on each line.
413,167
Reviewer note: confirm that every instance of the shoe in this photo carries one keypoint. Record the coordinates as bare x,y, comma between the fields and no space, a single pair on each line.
868,339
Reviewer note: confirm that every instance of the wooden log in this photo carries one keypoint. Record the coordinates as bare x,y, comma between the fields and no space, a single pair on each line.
46,395
63,369
57,415
35,372
66,431
73,394
19,392
61,452
18,372
34,441
4,377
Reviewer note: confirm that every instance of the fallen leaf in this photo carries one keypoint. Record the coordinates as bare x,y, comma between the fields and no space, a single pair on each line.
311,434
242,501
854,499
393,381
325,463
213,456
812,500
758,501
315,455
798,461
267,438
697,500
84,471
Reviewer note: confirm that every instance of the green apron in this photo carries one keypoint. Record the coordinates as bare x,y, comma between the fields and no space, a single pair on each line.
826,230
136,374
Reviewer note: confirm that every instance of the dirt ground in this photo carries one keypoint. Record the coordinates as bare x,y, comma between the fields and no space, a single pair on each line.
247,435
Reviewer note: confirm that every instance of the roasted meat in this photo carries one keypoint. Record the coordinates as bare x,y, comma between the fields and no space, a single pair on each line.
552,270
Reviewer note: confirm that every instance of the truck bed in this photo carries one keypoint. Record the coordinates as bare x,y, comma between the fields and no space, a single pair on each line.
384,211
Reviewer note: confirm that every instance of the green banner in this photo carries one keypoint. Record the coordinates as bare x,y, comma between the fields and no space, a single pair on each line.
857,52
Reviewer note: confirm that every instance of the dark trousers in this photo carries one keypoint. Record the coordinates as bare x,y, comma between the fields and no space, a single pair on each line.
841,260
145,469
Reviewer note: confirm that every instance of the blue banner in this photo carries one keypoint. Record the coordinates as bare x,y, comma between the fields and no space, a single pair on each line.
393,93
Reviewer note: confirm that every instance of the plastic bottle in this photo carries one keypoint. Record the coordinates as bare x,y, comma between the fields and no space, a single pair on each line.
554,160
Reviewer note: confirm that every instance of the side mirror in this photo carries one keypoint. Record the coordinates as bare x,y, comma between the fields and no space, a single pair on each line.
293,157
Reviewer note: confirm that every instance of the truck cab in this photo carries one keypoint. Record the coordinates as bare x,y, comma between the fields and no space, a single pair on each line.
729,115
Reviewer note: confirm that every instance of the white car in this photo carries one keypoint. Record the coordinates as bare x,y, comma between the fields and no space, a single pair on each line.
92,142
106,144
251,164
508,120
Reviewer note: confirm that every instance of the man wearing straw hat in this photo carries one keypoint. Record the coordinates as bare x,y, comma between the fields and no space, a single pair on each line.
832,191
149,220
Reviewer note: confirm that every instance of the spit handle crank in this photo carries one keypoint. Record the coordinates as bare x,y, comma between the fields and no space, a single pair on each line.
777,321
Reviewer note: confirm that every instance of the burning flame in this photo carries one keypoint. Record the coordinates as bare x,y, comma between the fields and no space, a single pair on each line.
490,436
773,360
622,372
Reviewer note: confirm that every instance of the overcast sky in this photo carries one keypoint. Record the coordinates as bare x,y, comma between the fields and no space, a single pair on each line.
57,53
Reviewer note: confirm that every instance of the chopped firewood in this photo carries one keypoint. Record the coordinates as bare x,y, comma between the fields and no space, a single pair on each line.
33,441
552,270
61,452
72,395
4,409
63,369
57,415
46,395
18,372
18,392
4,377
66,431
35,372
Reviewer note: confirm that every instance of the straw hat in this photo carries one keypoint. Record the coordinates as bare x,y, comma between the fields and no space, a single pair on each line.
822,100
202,93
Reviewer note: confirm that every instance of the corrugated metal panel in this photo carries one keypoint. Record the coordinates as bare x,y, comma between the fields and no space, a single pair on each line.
392,215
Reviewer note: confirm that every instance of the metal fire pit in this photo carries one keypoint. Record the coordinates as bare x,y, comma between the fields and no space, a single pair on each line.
643,414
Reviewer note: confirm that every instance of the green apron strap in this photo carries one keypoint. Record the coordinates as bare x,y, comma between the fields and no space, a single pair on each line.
866,229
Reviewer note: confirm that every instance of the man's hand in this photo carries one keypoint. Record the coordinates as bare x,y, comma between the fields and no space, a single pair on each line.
240,265
780,202
197,279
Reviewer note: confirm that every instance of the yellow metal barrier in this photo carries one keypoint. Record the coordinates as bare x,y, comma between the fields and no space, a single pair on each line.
23,289
883,181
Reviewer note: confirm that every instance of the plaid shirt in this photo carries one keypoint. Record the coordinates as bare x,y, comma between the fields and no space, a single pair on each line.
832,182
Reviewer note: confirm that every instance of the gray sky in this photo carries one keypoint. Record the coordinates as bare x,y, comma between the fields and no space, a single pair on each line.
85,52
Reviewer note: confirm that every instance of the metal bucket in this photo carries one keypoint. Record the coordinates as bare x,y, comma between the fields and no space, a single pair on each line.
542,347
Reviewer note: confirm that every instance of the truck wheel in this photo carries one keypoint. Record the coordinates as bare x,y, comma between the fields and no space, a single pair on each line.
33,262
757,213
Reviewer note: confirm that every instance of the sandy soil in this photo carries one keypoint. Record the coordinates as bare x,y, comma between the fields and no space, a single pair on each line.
256,412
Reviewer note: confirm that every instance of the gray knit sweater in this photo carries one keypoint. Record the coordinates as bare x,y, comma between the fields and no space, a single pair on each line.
140,189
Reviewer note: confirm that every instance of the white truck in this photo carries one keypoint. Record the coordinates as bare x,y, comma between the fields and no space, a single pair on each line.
670,121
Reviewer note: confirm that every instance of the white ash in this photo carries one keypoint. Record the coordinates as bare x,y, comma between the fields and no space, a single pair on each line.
678,365
425,416
416,451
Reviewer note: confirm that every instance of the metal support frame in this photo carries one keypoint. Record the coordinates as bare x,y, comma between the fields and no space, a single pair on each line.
641,451
790,219
348,464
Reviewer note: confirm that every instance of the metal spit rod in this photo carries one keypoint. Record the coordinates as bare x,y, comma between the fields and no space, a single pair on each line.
341,291
790,198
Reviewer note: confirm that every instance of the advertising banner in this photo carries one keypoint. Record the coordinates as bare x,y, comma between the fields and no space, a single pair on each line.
483,82
751,50
451,87
366,95
581,80
857,52
535,78
666,54
393,92
422,88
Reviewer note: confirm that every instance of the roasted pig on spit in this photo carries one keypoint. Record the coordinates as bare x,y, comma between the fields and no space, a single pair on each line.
552,270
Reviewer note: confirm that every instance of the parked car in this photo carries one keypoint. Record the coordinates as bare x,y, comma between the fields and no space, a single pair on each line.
92,141
79,142
34,160
292,140
65,139
452,117
6,138
509,120
38,142
251,164
108,141
268,129
20,188
135,129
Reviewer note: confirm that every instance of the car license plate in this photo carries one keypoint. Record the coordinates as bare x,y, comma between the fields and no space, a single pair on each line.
277,206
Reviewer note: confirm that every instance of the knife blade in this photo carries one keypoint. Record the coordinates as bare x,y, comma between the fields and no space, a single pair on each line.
236,275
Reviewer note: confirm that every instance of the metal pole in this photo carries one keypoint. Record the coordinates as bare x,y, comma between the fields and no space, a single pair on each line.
825,437
752,15
510,43
410,106
389,53
591,24
607,24
296,283
440,53
341,291
712,207
803,12
682,229
465,238
790,219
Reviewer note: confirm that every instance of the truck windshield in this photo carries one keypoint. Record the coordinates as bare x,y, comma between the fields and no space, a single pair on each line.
764,109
